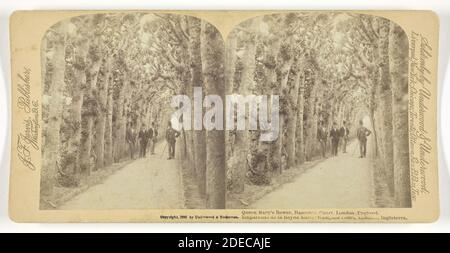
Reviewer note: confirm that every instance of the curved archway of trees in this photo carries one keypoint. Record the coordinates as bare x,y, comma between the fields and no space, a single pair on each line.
104,74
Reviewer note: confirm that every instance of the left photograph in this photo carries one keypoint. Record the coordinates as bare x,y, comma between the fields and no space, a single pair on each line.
107,138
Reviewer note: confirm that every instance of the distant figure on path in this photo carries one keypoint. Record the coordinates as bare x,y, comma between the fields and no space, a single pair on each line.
322,138
171,138
143,141
362,134
131,139
344,133
335,135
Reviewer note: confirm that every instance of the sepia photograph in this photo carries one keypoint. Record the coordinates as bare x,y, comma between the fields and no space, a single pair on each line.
296,110
343,141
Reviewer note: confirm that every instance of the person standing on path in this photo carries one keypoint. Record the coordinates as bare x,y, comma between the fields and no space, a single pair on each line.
153,138
335,135
322,138
131,139
362,134
171,138
344,133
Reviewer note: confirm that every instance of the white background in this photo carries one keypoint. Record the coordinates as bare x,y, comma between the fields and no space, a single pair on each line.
442,7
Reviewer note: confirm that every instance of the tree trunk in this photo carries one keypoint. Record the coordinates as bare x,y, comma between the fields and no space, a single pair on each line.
398,53
230,70
120,121
78,89
241,141
127,117
51,153
212,53
89,107
286,62
292,119
189,134
103,86
109,126
271,79
312,120
300,139
197,81
386,101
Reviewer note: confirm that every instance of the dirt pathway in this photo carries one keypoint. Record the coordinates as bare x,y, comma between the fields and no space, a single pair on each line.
344,181
146,183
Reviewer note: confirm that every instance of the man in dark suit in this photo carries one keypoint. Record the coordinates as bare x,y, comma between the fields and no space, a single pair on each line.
171,138
335,135
362,134
131,139
143,141
344,133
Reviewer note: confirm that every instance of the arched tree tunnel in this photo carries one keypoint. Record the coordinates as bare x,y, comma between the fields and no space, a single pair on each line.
108,76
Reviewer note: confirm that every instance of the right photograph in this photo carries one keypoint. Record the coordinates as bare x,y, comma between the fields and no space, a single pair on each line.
343,137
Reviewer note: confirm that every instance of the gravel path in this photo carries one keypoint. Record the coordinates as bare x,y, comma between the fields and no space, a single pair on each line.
344,181
147,183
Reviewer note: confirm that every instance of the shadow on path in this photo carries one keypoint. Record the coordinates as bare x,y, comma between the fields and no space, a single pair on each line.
152,182
343,181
